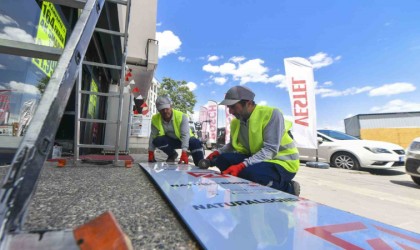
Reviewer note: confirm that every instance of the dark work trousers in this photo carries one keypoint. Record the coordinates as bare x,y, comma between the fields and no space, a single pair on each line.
168,145
264,173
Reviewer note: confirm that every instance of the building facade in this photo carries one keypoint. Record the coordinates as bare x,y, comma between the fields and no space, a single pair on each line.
23,79
399,128
151,99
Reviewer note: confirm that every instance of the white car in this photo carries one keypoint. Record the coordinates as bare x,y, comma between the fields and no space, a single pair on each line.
345,151
412,162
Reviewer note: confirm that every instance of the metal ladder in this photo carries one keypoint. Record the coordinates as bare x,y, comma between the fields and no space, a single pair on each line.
20,182
79,92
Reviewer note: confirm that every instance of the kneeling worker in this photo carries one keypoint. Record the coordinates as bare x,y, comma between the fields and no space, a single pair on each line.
170,130
261,148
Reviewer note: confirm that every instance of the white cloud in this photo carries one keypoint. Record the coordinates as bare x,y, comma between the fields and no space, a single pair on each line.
328,83
321,60
212,58
282,81
249,71
5,19
31,24
158,24
392,89
237,59
396,105
325,92
17,34
2,66
220,80
24,87
169,43
224,69
192,86
182,58
263,103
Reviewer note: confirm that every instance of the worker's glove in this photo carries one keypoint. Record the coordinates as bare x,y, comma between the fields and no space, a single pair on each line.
183,158
212,155
234,169
152,156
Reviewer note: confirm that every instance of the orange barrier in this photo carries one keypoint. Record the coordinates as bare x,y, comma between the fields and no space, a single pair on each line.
61,163
128,163
102,233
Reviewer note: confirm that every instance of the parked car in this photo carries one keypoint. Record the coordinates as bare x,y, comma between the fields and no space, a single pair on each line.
412,160
345,151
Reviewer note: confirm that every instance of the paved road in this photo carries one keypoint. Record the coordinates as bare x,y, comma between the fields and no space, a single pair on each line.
388,196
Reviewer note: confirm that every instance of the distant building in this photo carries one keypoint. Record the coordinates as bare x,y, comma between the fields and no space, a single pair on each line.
151,99
399,128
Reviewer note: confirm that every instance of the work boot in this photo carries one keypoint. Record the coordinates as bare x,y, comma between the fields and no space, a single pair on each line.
296,188
172,158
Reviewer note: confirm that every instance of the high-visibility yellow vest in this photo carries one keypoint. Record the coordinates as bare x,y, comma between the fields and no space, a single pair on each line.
288,155
177,120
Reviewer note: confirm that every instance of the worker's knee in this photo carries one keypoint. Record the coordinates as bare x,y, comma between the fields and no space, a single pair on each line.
194,143
160,141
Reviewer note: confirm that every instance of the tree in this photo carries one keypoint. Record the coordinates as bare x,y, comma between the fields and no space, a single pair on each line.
42,84
182,98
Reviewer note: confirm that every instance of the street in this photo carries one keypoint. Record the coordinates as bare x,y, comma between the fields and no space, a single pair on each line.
388,196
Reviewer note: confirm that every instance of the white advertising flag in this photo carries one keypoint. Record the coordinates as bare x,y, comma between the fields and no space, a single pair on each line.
300,81
204,119
229,118
212,112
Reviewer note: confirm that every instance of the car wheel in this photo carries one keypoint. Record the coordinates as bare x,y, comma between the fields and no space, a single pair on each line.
416,179
345,161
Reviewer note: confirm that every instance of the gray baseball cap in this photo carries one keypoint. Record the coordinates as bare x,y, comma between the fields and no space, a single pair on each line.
237,93
163,102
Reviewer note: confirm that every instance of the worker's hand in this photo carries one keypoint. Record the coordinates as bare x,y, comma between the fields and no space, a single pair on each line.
152,156
234,169
212,155
183,158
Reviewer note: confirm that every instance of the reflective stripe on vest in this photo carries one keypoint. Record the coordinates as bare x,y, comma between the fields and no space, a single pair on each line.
287,146
288,155
177,120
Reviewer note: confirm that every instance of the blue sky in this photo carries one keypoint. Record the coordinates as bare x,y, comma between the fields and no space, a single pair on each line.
366,54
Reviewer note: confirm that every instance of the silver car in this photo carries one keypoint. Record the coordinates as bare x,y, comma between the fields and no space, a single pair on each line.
412,160
345,151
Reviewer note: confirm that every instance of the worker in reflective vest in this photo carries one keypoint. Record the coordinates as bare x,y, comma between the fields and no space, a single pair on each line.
261,148
170,130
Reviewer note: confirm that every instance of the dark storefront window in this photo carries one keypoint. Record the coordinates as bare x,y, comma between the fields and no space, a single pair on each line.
24,79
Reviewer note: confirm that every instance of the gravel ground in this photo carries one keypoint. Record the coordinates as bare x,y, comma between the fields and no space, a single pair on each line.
70,196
